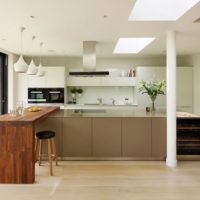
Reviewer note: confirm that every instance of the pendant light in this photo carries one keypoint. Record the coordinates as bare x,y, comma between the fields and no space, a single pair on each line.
20,66
41,71
32,68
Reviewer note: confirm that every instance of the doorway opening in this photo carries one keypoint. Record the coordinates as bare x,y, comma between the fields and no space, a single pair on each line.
3,83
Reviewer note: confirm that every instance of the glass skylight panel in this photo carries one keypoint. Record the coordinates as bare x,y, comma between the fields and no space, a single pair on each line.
131,45
160,10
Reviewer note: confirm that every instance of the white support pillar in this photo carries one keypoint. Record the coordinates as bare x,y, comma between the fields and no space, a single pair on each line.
171,99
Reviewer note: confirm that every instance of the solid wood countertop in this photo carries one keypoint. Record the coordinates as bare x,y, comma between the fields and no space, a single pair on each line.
29,118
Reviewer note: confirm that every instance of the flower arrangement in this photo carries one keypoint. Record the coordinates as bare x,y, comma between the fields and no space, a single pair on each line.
153,88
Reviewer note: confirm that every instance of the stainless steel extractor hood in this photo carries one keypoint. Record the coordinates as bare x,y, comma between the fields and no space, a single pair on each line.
89,61
89,55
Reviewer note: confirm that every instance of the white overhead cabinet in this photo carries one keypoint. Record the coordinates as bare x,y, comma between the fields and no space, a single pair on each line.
54,77
35,81
100,81
184,87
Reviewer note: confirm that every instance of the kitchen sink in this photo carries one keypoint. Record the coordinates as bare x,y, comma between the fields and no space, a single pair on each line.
81,111
97,104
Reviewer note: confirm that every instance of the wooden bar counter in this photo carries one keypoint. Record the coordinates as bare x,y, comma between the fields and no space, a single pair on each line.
17,145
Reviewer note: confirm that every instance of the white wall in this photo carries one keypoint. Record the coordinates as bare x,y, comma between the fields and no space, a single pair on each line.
184,86
90,95
116,62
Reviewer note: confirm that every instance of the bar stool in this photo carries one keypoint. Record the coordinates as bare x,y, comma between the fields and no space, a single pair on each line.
49,136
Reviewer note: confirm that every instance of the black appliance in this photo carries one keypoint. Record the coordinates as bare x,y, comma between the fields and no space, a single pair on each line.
56,95
45,95
37,95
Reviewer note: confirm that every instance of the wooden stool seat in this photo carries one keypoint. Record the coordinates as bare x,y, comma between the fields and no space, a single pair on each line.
49,136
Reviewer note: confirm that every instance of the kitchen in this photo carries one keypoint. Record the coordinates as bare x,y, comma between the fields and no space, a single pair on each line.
78,101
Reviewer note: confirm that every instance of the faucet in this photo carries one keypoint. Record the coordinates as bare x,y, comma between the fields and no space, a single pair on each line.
100,100
113,101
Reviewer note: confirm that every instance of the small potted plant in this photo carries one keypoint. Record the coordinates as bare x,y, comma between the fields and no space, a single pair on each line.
153,89
73,91
79,91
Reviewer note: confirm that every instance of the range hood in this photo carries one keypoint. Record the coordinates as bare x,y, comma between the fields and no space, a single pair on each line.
89,61
85,73
89,55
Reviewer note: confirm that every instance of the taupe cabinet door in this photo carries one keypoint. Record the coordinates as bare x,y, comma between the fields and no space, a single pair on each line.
158,137
136,137
106,137
53,124
77,137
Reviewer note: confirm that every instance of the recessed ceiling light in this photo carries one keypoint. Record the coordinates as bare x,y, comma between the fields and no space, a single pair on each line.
51,51
197,20
105,16
32,17
160,10
3,39
131,45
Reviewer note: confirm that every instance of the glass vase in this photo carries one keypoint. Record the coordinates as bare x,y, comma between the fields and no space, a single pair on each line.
153,98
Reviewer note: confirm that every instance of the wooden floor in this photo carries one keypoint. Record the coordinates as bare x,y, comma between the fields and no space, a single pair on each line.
124,180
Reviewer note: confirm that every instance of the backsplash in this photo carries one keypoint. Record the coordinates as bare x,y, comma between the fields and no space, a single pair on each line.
91,94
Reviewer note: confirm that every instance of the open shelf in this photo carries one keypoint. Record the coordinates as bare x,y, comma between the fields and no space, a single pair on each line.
101,81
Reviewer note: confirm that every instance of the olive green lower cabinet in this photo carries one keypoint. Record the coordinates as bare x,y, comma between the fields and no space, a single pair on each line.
54,124
136,137
106,133
77,137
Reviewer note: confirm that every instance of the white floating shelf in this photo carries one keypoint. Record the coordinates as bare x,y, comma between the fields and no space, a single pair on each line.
101,81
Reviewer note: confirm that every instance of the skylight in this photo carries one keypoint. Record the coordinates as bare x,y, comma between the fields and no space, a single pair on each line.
131,45
160,10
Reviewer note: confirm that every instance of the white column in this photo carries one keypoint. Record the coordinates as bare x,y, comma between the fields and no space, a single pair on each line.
171,100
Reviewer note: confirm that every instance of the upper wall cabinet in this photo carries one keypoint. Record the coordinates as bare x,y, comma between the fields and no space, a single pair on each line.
54,77
101,81
184,86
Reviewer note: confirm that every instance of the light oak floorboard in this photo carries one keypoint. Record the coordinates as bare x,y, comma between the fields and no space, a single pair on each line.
110,180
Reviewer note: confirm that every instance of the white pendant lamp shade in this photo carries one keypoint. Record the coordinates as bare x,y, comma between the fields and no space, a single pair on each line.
32,68
40,72
20,66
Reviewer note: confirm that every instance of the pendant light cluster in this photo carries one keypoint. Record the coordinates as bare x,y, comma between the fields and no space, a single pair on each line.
21,67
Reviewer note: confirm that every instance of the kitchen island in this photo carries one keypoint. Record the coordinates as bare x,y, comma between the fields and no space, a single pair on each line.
108,134
98,134
17,145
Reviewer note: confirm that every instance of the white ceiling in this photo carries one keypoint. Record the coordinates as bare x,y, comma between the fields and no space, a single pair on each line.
63,24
